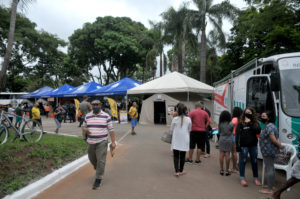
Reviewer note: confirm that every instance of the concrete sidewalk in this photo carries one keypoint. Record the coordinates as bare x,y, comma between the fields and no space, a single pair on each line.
143,168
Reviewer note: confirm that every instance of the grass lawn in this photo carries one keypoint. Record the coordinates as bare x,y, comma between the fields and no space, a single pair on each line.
22,163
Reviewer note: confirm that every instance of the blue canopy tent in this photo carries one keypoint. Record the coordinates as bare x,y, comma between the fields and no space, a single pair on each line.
117,88
37,94
59,92
82,90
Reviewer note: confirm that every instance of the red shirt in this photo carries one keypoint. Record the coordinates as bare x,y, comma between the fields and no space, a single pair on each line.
199,119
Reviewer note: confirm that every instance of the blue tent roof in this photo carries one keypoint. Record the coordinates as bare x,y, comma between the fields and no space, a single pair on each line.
58,92
38,93
117,88
82,90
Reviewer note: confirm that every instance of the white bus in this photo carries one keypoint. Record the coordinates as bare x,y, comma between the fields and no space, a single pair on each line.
266,84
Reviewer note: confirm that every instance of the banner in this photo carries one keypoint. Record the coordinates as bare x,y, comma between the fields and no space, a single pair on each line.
76,101
113,107
123,117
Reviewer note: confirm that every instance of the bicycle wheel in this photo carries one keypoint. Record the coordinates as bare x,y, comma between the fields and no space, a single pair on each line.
32,131
3,134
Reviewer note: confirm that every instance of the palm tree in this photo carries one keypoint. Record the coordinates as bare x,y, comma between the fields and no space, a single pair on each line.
158,37
207,12
178,31
10,40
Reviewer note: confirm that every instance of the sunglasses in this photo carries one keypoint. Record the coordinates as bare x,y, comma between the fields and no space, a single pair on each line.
96,104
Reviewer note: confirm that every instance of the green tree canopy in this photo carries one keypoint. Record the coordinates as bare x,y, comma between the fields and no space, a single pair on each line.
114,44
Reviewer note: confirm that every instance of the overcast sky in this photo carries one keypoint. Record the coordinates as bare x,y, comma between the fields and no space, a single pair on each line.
62,17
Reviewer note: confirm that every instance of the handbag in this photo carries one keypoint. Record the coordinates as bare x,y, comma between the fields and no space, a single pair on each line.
167,137
283,158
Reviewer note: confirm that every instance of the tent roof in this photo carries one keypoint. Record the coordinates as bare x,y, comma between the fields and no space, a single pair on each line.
82,90
172,83
38,93
58,92
117,88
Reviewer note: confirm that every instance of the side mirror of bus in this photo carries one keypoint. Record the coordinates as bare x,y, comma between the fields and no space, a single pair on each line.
275,81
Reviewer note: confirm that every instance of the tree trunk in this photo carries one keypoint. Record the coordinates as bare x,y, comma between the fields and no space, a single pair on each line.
182,55
8,50
160,65
203,57
179,56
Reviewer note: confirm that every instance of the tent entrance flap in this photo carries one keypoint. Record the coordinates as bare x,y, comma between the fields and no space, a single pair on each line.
159,112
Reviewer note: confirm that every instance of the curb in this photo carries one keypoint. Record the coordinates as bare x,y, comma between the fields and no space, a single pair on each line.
44,183
39,186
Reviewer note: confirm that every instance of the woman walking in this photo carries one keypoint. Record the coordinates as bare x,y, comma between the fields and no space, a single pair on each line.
180,127
225,142
269,146
236,115
246,138
58,117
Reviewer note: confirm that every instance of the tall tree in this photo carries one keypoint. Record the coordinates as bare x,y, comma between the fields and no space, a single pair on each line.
178,31
10,40
207,12
158,43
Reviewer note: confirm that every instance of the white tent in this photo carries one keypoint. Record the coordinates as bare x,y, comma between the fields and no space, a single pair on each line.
172,83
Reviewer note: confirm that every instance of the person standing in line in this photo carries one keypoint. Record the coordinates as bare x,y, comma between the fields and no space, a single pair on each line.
58,117
225,142
97,126
236,115
208,135
180,128
246,138
133,115
269,146
200,121
36,114
19,115
84,107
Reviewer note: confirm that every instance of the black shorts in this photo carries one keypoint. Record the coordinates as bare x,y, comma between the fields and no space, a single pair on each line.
197,138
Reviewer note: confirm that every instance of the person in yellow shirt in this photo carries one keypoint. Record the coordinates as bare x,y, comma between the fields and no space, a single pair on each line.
36,114
133,113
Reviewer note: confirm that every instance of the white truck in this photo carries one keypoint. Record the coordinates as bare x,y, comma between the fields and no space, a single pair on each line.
266,84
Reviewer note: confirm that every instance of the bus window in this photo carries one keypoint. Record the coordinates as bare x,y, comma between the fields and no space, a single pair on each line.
258,71
267,69
259,95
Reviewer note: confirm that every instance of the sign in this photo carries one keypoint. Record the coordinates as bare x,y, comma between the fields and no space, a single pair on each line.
171,109
123,117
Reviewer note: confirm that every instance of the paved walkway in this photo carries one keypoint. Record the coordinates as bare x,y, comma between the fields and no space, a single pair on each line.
143,168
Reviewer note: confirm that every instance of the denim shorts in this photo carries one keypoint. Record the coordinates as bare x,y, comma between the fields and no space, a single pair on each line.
133,122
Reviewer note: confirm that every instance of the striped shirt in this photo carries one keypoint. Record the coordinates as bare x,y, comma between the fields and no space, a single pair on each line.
99,126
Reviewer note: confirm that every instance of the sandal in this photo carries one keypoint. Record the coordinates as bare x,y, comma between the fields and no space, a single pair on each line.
176,175
266,191
221,172
227,173
257,183
244,183
182,173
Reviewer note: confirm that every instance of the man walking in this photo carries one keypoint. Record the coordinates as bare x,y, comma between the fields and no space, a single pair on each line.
95,130
84,108
200,121
36,114
133,113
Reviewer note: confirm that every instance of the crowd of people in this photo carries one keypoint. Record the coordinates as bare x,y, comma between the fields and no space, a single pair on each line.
239,135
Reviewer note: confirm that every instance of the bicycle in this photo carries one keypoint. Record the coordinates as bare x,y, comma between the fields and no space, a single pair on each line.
30,130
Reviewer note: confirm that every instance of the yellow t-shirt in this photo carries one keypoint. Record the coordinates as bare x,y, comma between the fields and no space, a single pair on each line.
133,112
36,111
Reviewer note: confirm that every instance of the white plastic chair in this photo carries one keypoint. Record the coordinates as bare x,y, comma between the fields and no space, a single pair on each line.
287,168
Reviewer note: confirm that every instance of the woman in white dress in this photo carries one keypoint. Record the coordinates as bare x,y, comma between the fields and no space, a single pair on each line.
180,127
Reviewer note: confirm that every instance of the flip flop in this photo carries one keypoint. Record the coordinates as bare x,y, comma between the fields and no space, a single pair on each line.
266,191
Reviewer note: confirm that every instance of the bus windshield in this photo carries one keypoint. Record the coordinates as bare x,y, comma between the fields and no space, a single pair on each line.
290,85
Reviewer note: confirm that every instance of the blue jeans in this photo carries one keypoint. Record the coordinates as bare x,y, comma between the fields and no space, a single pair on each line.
253,157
